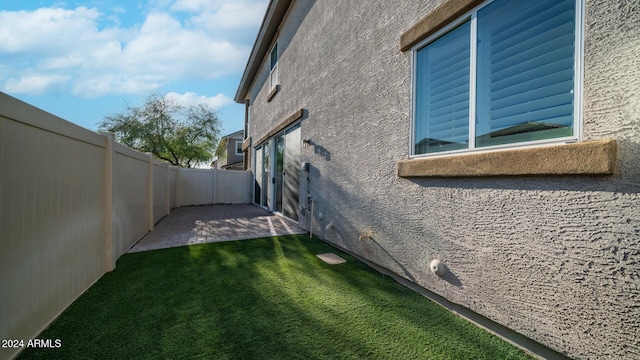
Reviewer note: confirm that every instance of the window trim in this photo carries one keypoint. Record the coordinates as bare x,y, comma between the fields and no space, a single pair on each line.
447,23
447,12
238,142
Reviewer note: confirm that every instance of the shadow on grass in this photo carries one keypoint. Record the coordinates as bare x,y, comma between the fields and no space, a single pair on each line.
267,298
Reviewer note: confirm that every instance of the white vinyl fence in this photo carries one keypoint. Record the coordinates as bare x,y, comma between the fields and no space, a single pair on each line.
71,203
196,187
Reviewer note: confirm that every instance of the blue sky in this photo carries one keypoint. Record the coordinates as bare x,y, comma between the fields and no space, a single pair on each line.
83,60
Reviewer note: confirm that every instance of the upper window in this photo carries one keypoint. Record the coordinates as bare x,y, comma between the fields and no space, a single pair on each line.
274,56
239,147
273,74
504,74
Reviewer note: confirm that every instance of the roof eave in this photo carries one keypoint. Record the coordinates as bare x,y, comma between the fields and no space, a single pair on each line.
230,135
270,23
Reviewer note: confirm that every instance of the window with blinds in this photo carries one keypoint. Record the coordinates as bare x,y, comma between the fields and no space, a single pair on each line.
505,75
273,73
442,114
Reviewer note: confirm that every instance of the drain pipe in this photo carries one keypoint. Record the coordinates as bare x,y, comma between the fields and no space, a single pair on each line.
311,226
306,167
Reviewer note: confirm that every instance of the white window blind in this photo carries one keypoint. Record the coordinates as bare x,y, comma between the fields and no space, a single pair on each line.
273,78
525,71
442,90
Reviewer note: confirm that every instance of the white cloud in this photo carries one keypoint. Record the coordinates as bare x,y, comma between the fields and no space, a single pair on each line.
109,83
163,47
193,5
190,98
225,18
86,51
35,84
208,5
47,30
231,16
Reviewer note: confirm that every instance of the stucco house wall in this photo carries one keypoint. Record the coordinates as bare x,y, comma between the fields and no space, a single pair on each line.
554,258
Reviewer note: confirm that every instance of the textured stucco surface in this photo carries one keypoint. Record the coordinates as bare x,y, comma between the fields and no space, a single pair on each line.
553,258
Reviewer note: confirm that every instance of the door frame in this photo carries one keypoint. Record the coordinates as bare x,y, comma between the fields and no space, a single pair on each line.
270,146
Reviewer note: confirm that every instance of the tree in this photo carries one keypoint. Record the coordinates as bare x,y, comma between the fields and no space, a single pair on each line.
183,136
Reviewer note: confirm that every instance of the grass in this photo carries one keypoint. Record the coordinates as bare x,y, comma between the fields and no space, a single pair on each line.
268,298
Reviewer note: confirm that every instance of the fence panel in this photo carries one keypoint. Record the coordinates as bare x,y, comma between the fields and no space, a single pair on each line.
233,187
194,187
129,215
52,217
159,191
173,181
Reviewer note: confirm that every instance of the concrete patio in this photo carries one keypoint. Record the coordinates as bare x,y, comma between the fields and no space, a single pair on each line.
214,223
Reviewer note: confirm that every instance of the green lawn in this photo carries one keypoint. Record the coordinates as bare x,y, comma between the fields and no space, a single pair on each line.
268,298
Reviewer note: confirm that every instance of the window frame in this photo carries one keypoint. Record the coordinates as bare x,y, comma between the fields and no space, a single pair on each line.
273,68
471,15
238,150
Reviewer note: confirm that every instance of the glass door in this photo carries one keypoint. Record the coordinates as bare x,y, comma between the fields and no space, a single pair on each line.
291,173
279,164
277,171
266,176
258,184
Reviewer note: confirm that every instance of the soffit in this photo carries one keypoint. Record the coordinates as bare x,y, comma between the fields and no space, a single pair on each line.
276,11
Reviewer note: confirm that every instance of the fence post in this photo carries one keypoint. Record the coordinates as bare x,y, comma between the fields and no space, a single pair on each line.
108,202
150,191
178,188
167,204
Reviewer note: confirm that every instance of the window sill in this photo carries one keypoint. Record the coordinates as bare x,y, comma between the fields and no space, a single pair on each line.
273,93
586,158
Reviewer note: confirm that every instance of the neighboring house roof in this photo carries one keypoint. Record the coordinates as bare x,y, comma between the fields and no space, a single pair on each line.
238,164
237,134
430,143
529,126
272,19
